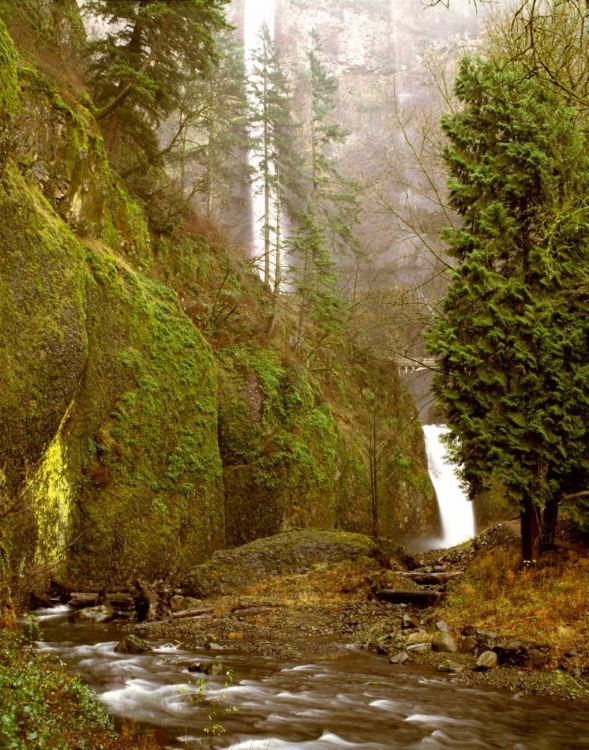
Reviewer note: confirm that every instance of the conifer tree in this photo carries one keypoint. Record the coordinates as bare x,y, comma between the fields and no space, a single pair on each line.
138,67
513,338
274,144
335,196
211,135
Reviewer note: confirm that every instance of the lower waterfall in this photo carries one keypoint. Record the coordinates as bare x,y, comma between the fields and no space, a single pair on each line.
456,511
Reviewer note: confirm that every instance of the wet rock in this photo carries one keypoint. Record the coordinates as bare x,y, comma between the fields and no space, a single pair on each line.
443,642
210,646
443,626
409,621
399,658
487,660
102,613
131,644
450,666
419,647
468,645
421,636
206,667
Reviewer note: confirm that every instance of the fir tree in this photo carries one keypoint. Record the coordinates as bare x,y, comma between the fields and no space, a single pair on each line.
211,135
138,68
274,145
513,338
335,196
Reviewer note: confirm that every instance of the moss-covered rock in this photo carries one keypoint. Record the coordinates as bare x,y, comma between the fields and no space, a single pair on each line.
143,433
230,571
8,92
279,442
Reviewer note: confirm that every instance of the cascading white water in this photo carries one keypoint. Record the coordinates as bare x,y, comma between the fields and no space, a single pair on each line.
256,14
456,510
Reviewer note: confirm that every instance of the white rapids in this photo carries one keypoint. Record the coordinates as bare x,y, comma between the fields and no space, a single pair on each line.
456,511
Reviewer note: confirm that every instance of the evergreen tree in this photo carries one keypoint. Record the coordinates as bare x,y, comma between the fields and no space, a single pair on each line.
321,300
513,338
335,196
274,146
211,134
138,67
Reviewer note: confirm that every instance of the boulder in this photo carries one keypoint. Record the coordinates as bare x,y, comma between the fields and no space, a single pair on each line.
487,660
399,658
132,644
443,626
178,603
486,638
443,642
206,667
102,613
468,645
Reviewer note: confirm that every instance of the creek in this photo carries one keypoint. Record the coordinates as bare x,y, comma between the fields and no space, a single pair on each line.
358,701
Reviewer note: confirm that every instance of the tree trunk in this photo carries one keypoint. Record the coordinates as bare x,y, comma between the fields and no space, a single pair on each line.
530,528
549,520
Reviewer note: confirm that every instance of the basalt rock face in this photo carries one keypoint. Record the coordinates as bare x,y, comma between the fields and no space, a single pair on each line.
133,443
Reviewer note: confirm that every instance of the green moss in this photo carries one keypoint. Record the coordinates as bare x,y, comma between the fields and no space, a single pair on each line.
151,499
8,92
126,229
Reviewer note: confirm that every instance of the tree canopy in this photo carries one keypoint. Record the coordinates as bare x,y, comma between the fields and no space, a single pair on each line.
513,337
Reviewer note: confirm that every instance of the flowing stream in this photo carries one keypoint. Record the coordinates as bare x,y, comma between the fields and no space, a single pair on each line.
359,701
456,511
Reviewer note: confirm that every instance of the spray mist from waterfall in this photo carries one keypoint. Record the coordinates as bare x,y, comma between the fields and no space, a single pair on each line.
456,511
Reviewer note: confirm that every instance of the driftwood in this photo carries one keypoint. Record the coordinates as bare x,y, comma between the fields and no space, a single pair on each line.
185,613
81,599
423,598
61,590
151,604
42,601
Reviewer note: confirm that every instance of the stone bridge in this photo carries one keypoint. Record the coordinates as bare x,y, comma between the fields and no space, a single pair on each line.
414,364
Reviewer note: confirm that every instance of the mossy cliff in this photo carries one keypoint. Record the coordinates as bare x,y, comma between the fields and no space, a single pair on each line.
147,417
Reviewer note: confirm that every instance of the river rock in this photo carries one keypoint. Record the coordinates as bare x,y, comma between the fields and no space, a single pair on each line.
409,622
468,645
450,666
206,667
486,638
102,613
444,642
443,626
419,647
214,646
487,660
420,636
399,658
132,644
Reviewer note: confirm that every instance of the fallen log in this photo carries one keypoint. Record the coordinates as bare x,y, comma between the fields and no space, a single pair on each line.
81,599
430,579
41,601
185,613
420,598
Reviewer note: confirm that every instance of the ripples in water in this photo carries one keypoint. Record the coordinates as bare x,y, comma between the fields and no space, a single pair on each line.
359,701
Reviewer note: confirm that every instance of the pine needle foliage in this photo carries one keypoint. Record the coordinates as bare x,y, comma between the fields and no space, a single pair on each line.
138,65
513,336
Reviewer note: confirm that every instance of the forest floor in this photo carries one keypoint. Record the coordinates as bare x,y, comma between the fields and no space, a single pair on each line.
536,621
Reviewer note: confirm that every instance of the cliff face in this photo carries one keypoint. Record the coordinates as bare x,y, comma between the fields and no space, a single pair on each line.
146,418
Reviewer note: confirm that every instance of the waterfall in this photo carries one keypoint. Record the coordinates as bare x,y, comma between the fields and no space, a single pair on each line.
456,511
256,13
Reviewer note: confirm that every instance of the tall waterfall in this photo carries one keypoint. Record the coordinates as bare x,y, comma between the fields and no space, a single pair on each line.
256,14
456,510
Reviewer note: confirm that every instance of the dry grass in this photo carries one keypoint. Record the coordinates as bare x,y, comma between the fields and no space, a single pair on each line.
549,605
325,583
